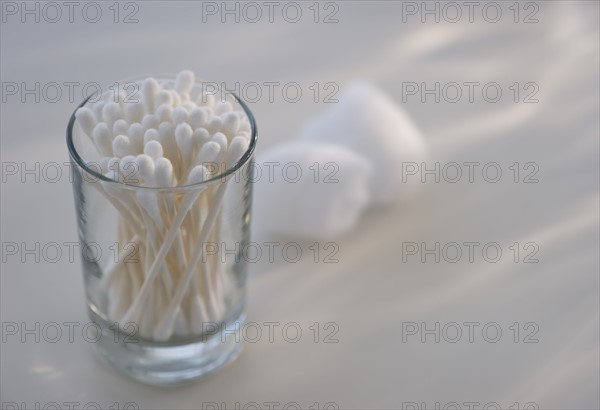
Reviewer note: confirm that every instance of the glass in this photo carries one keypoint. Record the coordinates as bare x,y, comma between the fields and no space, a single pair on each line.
163,319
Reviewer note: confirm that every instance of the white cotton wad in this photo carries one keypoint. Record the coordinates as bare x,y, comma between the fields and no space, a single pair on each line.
367,121
296,203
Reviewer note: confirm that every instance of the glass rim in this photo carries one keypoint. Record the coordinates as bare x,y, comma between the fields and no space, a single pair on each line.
74,154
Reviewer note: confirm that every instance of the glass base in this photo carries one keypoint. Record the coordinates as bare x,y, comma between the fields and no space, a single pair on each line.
169,364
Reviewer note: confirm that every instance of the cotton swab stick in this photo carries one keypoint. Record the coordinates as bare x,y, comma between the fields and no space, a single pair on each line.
116,266
189,199
164,328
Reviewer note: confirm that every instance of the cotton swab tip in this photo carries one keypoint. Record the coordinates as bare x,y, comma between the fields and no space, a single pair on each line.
120,127
102,138
151,135
164,113
200,136
86,118
164,97
180,115
197,175
231,123
209,153
134,111
183,135
111,112
237,149
163,170
153,149
145,167
121,146
150,88
198,117
150,121
184,81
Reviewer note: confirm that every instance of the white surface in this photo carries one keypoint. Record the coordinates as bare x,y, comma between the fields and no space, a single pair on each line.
370,292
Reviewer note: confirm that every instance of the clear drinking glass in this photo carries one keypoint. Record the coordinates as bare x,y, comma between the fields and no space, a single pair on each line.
164,319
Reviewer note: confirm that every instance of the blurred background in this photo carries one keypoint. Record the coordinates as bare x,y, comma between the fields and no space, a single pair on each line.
393,319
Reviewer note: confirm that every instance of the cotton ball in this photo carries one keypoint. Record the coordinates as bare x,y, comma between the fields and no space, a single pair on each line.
370,123
295,203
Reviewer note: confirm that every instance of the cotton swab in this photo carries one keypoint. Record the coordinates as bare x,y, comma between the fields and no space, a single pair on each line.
122,146
184,82
197,177
136,136
185,143
176,134
111,113
134,111
86,119
120,127
150,121
197,117
102,138
153,149
149,89
165,327
164,97
180,115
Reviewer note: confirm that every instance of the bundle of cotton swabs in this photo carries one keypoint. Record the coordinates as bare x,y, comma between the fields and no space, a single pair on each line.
174,134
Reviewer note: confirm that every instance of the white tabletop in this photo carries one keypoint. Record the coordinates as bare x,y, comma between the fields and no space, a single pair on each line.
371,296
